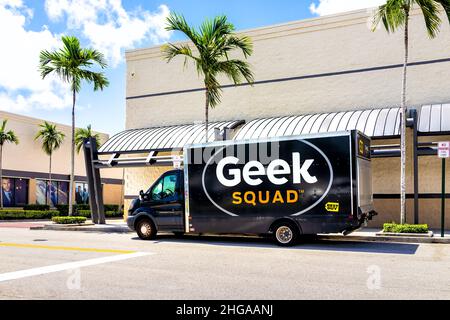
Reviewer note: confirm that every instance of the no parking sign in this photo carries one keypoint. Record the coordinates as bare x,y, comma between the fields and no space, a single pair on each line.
444,149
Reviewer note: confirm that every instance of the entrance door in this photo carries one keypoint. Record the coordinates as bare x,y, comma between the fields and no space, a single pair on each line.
167,201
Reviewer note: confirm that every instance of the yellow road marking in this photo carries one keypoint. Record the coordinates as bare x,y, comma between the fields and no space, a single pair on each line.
35,246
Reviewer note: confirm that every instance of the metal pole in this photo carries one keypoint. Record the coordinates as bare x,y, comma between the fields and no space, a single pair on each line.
90,178
98,190
443,199
416,167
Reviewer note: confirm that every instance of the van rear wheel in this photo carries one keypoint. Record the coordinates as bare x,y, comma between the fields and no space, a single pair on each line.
146,229
286,234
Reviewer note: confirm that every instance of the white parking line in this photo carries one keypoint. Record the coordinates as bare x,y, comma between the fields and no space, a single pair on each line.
68,266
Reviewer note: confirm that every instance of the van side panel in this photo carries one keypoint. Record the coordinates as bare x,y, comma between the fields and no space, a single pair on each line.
244,186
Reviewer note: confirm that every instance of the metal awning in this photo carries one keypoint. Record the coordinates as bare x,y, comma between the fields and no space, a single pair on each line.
434,119
163,138
376,123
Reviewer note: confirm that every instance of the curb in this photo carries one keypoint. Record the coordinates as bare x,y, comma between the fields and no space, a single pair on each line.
84,227
26,220
429,234
383,238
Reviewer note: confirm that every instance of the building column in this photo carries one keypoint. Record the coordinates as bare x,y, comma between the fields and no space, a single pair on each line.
31,191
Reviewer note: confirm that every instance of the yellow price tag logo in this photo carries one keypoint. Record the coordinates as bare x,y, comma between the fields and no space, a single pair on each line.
332,207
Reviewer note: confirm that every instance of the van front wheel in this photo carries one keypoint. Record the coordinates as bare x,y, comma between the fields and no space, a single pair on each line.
145,229
285,234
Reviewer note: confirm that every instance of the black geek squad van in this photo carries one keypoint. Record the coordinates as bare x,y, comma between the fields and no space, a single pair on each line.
285,187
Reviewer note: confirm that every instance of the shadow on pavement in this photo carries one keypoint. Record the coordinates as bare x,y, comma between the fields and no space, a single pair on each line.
309,243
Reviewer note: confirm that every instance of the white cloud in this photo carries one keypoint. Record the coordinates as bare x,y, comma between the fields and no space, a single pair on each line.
326,7
108,26
21,87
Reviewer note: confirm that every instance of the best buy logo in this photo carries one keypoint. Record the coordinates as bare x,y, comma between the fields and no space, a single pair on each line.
332,207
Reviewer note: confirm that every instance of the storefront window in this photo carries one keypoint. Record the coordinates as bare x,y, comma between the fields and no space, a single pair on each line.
15,192
21,194
63,191
54,194
41,192
81,193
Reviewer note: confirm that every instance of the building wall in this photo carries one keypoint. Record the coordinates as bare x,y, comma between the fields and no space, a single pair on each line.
27,160
326,64
311,47
386,186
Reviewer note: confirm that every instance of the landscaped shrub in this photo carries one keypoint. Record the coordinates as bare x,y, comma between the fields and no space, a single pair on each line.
68,220
64,208
18,214
84,213
36,207
83,207
405,228
26,214
108,214
112,207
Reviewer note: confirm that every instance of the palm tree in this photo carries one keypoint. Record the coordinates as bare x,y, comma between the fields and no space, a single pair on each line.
81,134
52,140
395,14
213,42
5,137
71,64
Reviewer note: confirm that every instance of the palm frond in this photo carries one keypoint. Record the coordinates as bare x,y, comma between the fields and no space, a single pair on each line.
236,70
446,5
170,51
81,134
88,56
392,14
70,64
50,137
216,29
214,42
7,136
214,91
430,11
177,22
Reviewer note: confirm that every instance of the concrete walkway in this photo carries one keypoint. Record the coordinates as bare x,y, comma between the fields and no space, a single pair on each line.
112,225
375,234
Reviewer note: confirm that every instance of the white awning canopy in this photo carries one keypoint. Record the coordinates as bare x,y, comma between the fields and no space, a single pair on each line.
163,138
375,123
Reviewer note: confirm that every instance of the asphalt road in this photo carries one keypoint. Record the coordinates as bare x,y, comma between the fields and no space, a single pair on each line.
78,265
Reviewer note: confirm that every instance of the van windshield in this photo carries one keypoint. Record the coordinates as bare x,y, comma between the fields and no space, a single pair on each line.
164,188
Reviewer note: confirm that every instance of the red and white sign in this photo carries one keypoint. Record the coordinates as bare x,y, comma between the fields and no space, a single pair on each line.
444,149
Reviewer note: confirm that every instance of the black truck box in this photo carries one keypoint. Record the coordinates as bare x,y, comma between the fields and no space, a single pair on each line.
321,182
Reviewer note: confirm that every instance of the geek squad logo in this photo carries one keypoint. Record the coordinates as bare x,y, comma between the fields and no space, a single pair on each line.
294,183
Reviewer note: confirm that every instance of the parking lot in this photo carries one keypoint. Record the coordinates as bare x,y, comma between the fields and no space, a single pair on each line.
40,264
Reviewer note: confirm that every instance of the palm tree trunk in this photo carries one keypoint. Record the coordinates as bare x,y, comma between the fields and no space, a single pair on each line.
72,157
206,115
403,128
50,178
1,177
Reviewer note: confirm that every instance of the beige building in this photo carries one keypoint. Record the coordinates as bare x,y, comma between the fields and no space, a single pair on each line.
26,167
317,67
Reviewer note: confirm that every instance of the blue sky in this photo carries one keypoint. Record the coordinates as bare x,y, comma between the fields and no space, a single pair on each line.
113,26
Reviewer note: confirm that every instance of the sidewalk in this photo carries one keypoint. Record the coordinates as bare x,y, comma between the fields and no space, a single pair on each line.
111,226
374,234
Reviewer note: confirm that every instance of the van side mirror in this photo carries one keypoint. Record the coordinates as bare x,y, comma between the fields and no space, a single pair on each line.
141,194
